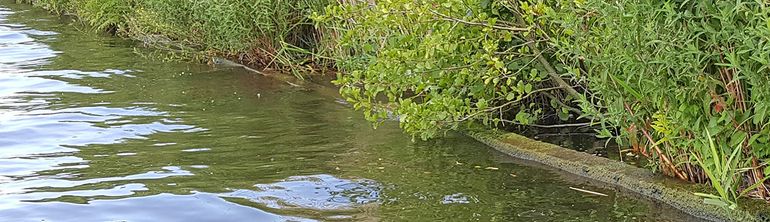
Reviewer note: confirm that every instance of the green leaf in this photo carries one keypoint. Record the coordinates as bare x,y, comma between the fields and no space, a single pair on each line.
626,87
715,202
510,96
481,103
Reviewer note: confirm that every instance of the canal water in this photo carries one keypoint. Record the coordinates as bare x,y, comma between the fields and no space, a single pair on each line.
90,130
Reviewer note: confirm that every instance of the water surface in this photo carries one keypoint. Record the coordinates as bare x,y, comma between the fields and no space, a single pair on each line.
92,131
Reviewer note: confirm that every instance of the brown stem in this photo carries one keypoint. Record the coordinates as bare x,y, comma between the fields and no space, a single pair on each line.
667,162
663,156
555,77
552,72
758,176
735,89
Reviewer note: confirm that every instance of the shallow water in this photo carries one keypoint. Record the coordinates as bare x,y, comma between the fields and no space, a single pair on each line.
92,131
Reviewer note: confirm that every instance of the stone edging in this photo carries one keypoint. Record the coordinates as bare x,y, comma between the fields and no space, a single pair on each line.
611,172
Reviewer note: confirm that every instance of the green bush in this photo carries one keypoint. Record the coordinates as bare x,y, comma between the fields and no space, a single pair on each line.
438,64
655,75
669,73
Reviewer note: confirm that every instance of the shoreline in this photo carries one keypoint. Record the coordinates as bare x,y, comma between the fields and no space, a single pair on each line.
676,194
642,182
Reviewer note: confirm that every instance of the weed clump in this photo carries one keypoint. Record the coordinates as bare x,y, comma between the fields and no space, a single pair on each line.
264,33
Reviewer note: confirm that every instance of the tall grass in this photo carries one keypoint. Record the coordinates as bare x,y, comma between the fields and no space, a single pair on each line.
265,33
669,73
723,172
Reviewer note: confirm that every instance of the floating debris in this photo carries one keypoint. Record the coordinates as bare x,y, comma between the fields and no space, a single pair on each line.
588,191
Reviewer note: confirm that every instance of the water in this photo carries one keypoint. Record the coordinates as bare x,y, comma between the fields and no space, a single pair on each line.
91,131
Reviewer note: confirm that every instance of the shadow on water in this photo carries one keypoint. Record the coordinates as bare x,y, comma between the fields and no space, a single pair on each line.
585,140
90,131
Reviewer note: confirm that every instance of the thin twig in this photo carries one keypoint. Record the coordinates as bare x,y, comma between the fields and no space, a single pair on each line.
562,104
551,126
588,191
453,19
508,103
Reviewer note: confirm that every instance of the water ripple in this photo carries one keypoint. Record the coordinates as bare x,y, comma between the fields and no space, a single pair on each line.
318,192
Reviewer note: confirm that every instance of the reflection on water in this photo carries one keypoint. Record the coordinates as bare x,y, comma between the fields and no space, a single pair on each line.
89,131
317,192
192,207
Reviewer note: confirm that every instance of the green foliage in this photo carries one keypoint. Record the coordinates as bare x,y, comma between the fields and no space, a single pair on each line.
222,25
105,14
659,75
682,70
56,6
261,32
437,64
723,173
